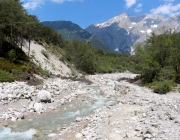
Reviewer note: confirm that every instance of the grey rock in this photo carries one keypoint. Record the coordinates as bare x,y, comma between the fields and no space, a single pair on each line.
131,134
3,96
19,115
79,136
148,136
52,135
43,96
38,107
111,103
78,119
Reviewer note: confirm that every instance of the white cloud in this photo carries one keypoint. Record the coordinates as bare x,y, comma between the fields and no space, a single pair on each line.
130,3
138,8
61,1
32,4
167,9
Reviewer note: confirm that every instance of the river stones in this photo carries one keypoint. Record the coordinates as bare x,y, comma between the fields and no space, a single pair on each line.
43,96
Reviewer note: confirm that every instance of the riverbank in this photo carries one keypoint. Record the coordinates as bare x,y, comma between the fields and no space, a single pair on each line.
138,114
134,114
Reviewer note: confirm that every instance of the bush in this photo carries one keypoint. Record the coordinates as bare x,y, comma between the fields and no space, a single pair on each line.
45,53
12,55
6,76
163,87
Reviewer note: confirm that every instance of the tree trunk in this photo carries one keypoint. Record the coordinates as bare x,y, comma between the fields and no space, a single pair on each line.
29,47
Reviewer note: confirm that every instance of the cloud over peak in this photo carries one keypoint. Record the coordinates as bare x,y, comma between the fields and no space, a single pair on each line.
130,3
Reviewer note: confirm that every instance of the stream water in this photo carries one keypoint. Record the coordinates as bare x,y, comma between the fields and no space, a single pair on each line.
51,122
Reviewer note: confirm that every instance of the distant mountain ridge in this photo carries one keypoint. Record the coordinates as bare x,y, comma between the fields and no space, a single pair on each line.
71,31
123,31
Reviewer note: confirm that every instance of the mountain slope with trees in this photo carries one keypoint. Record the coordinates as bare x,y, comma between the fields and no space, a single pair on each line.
71,31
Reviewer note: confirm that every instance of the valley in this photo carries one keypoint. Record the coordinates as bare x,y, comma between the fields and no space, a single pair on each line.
115,80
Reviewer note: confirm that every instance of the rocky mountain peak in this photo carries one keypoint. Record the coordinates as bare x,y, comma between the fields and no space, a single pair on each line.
122,32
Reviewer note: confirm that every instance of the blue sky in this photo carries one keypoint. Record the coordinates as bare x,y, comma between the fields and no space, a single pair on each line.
87,12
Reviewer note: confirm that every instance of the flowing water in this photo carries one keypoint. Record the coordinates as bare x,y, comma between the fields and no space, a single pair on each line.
51,122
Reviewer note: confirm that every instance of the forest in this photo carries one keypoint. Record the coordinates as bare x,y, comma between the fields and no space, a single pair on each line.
157,60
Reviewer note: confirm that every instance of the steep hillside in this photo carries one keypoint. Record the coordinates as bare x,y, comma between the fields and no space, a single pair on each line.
71,31
48,61
123,31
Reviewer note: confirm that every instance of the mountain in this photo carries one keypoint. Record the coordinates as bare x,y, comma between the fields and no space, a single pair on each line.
122,32
71,31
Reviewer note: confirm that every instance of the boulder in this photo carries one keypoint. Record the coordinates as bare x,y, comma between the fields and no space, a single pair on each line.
13,119
43,96
3,96
38,107
19,115
79,136
78,119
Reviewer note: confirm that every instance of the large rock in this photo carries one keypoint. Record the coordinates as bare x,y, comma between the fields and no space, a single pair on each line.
19,115
3,97
43,96
38,107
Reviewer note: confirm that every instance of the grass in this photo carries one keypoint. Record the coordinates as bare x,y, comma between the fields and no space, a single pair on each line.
6,76
163,87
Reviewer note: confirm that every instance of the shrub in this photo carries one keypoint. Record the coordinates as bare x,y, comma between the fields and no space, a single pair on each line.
45,53
163,87
12,55
6,76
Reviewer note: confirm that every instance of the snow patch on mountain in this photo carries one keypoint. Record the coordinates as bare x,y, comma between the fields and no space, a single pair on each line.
154,26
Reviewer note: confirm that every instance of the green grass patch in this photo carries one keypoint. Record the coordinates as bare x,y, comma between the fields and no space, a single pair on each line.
6,76
163,87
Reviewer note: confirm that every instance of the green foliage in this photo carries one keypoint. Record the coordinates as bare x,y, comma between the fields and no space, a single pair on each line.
45,53
158,60
20,71
12,55
163,87
6,76
91,61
